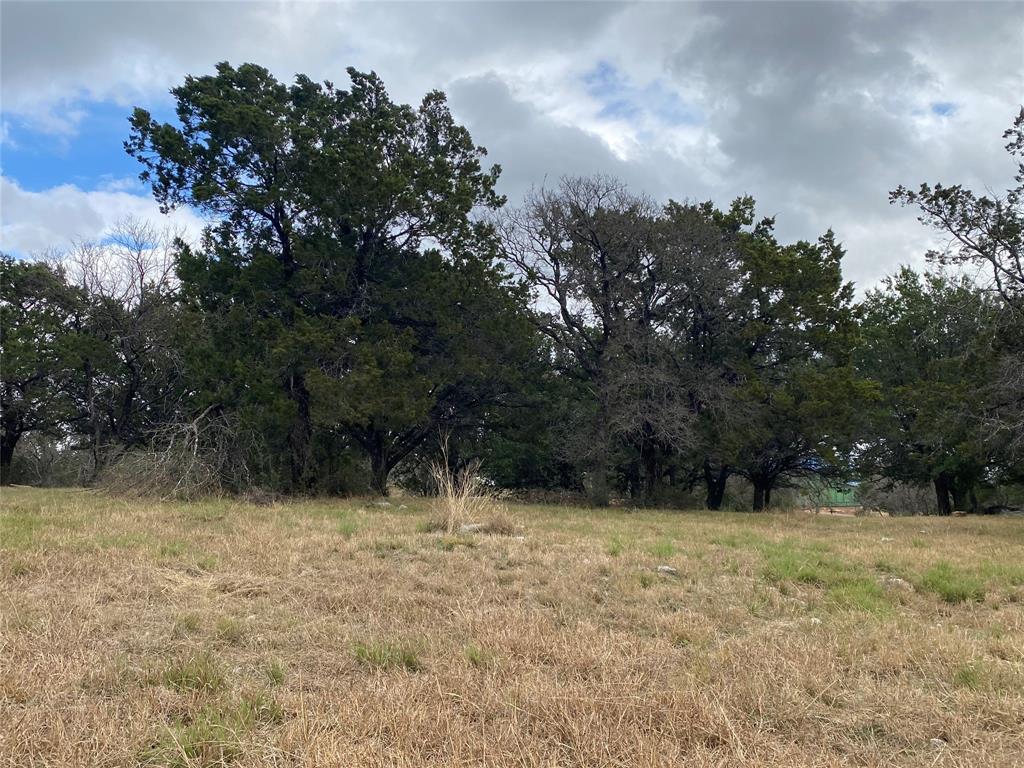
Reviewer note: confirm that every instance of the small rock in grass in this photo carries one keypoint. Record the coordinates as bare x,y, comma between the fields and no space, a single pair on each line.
937,743
886,538
471,527
667,570
815,621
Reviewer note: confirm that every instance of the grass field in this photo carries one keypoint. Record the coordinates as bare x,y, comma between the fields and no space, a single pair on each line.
348,633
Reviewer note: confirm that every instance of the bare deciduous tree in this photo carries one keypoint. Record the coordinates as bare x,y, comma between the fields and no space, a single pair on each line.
633,295
127,362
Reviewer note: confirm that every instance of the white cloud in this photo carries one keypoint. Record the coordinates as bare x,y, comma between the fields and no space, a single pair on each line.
33,222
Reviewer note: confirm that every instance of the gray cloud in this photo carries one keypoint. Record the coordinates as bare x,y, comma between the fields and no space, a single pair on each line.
534,149
815,109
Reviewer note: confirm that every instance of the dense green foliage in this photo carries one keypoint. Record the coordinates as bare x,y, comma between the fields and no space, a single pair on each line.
361,291
929,343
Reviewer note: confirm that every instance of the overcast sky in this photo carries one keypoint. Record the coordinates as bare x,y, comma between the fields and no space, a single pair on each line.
816,109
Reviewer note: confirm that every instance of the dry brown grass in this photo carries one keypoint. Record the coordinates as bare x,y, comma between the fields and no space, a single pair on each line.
342,633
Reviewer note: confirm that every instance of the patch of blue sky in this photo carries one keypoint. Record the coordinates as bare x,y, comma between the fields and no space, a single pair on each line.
622,99
667,105
92,158
620,109
603,79
943,108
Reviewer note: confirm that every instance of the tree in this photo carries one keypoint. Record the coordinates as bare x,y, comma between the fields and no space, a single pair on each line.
621,288
35,305
582,249
798,398
124,364
988,231
444,347
324,201
928,340
700,339
983,229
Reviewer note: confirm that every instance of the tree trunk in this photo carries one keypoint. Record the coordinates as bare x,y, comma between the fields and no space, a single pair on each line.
631,476
652,476
380,471
300,433
715,483
941,483
7,443
960,497
598,494
597,485
95,428
762,494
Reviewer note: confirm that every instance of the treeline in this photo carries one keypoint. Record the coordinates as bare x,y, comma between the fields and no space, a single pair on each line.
362,289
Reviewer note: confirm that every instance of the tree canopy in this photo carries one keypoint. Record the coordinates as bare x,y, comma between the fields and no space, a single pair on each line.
361,292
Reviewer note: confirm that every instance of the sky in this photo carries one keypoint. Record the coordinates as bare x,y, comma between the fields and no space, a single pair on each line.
815,109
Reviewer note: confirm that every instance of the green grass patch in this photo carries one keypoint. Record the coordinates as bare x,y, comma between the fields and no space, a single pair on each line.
275,672
952,584
862,594
20,530
347,528
662,549
210,511
477,656
788,562
337,514
970,676
206,563
741,540
848,586
386,547
172,549
449,543
230,631
615,547
200,673
1002,574
123,541
185,625
889,567
214,735
178,551
109,679
382,655
18,568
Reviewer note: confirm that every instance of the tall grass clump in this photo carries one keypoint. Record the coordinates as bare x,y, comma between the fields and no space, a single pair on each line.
461,494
